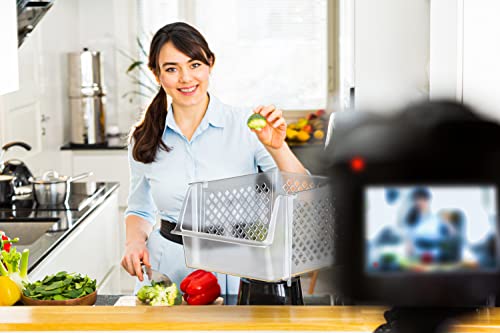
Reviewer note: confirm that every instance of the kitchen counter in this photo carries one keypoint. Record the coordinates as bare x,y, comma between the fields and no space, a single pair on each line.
119,142
229,318
64,222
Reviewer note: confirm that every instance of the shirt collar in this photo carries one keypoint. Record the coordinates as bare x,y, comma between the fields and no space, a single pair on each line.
214,115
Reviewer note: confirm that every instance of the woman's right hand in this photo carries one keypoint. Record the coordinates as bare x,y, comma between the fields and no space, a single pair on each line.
136,254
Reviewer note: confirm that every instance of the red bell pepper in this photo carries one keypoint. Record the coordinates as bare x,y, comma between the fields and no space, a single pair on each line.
6,242
200,288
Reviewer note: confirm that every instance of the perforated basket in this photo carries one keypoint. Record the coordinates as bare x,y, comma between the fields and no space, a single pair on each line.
267,226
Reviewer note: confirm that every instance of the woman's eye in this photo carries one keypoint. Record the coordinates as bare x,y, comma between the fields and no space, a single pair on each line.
196,65
170,70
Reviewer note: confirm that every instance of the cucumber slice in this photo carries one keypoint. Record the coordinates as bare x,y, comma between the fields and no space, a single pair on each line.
256,122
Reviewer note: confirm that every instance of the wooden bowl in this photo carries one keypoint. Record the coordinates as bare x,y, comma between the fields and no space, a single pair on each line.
85,300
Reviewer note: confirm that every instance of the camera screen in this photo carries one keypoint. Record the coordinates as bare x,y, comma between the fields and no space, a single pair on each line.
430,229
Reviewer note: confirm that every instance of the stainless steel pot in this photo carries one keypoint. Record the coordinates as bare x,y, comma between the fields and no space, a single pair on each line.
87,98
53,189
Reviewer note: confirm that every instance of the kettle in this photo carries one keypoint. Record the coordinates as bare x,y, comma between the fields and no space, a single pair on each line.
15,167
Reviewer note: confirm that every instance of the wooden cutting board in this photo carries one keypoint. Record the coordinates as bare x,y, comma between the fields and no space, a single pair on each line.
133,301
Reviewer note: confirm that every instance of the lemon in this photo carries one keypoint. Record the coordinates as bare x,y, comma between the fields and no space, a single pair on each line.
303,136
291,134
9,292
319,134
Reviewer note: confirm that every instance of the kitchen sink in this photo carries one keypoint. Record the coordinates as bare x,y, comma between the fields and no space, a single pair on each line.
28,232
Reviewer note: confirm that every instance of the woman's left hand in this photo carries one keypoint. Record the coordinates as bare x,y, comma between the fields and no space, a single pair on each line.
273,135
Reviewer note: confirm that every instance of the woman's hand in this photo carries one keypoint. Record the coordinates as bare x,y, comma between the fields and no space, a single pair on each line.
273,135
136,254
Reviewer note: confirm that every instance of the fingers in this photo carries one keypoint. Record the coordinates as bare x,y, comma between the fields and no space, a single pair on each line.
132,264
127,265
136,261
273,115
145,258
280,122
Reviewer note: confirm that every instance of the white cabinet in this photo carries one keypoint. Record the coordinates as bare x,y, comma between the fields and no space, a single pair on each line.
93,248
9,80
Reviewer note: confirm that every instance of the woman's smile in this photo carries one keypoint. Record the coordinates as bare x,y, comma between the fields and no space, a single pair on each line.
188,91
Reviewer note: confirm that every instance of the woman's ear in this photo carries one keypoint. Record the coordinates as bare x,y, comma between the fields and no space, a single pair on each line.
212,63
157,76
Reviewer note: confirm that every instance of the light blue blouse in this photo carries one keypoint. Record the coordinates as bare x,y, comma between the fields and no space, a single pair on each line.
221,147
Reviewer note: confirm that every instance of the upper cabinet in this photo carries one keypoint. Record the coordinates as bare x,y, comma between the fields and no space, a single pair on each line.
9,80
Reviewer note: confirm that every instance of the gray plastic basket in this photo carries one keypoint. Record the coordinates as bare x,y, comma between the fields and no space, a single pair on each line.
268,226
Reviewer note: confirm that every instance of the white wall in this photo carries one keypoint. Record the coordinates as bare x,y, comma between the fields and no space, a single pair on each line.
43,69
481,57
445,50
109,26
391,52
9,80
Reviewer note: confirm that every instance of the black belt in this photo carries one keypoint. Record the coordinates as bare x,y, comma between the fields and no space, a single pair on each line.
166,228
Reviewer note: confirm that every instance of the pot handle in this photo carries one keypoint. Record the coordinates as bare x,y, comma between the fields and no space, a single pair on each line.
80,176
16,143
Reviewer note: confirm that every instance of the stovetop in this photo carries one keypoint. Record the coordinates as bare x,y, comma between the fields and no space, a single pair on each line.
81,194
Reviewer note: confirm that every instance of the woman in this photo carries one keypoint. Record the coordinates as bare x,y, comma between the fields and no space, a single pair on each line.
197,137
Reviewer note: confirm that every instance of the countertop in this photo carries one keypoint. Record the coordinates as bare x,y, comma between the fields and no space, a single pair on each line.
65,221
119,142
229,318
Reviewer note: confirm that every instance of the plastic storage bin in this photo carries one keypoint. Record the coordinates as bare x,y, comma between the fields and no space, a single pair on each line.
268,226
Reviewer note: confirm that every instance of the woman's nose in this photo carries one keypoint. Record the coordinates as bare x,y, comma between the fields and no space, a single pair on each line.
185,76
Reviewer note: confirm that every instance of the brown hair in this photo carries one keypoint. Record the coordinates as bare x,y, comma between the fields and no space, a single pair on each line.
147,133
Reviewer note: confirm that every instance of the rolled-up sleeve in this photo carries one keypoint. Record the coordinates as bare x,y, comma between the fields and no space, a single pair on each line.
140,201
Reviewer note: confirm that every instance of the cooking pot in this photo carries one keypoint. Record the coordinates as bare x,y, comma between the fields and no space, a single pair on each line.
6,190
15,167
53,189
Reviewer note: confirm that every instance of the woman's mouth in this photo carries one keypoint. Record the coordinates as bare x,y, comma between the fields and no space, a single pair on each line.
188,91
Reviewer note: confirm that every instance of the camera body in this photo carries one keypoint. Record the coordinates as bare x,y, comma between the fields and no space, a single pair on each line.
416,206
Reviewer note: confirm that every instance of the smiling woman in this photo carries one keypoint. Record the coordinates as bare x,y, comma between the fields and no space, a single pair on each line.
195,137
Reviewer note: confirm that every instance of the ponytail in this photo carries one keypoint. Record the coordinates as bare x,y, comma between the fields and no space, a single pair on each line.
147,135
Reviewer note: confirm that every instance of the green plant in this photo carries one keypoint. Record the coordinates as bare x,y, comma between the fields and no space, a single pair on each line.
140,75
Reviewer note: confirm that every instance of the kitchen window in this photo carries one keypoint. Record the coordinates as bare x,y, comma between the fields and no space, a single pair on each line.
266,51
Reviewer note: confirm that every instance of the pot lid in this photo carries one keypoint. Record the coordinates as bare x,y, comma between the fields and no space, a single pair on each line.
50,177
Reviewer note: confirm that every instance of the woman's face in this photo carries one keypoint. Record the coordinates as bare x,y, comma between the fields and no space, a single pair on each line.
184,79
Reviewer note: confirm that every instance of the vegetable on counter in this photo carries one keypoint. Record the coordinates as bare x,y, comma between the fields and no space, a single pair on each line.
9,291
60,286
160,294
256,122
200,288
15,265
6,242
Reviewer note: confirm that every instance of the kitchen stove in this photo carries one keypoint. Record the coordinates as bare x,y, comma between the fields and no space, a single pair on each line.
27,209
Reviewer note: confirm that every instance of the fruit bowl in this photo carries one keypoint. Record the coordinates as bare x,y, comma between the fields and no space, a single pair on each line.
89,299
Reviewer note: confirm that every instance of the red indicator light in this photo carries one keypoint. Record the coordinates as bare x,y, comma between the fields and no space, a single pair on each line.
357,164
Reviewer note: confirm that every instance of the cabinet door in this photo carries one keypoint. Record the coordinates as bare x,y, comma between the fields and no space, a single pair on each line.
9,80
21,109
92,248
481,56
